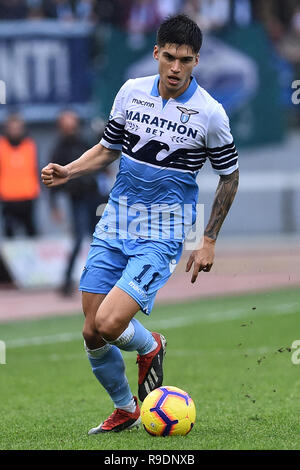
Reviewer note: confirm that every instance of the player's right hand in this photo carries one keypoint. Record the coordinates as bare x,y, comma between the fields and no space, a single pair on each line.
54,175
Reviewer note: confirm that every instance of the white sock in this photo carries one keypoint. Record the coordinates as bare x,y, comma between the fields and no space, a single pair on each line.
130,407
154,346
125,337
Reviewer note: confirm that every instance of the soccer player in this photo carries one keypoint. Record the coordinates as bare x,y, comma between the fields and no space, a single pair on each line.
165,127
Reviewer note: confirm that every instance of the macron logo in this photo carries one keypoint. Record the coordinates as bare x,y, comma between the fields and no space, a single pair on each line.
143,103
137,288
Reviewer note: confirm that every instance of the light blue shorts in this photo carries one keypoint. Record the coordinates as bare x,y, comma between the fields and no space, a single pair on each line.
138,266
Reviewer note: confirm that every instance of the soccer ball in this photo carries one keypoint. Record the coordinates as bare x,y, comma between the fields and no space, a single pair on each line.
168,411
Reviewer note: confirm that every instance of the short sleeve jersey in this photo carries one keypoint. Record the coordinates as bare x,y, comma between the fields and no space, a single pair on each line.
164,144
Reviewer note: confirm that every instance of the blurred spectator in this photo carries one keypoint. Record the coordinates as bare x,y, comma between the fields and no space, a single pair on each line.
63,10
49,8
169,7
275,15
282,22
114,12
144,17
35,9
13,9
192,9
19,180
209,14
290,43
241,13
53,9
85,10
83,193
216,14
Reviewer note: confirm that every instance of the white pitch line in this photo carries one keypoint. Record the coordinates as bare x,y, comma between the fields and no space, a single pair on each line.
170,323
41,340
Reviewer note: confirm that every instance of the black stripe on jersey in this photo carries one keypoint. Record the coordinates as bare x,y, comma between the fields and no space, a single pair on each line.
219,156
220,161
186,166
195,156
189,161
220,149
185,159
229,164
223,152
113,130
111,135
116,124
112,141
224,157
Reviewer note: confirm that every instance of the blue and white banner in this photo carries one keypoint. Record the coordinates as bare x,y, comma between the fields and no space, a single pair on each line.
45,66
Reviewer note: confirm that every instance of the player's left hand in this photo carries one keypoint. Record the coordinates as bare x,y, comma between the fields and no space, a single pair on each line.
203,258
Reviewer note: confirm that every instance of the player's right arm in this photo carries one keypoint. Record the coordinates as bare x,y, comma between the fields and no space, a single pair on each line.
94,159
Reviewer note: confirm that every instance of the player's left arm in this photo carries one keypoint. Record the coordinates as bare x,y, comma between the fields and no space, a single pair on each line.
223,157
203,257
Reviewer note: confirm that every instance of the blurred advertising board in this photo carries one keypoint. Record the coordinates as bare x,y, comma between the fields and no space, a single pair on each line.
40,262
45,66
236,67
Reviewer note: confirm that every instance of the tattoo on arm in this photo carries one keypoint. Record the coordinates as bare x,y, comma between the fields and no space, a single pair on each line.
224,197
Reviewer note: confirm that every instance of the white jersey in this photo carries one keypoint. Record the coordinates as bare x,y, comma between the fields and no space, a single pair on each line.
164,144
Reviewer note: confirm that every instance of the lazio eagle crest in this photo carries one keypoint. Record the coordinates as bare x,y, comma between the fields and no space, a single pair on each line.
186,113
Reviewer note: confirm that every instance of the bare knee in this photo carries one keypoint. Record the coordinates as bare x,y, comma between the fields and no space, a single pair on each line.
108,328
91,336
89,333
90,305
115,313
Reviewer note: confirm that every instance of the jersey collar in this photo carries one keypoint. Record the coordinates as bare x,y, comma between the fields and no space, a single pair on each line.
186,95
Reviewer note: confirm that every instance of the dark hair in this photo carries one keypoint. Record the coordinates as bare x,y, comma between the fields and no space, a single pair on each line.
180,29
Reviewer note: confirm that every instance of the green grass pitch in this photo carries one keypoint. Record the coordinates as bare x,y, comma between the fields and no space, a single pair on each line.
231,354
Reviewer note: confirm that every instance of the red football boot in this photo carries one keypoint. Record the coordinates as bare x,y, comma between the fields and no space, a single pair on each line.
119,420
150,367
